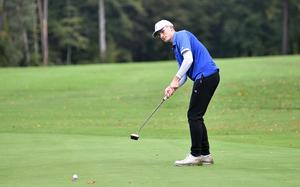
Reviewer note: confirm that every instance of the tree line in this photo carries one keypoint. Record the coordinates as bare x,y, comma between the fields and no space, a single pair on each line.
42,32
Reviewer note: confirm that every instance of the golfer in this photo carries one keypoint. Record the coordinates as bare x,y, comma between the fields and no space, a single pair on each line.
195,62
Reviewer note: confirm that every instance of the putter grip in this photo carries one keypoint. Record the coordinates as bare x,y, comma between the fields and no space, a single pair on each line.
165,98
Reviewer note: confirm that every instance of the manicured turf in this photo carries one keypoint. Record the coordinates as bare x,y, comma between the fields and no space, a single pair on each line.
59,121
51,159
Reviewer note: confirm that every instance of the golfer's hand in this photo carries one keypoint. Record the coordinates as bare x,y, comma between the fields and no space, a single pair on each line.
169,91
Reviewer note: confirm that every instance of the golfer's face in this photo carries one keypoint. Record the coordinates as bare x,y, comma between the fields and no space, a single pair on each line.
166,34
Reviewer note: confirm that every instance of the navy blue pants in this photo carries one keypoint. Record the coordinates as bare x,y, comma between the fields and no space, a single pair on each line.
203,90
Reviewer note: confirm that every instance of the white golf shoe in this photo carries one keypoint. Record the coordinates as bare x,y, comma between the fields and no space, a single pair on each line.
206,159
190,160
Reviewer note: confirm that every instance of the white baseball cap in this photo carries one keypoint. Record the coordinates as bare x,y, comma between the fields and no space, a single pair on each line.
160,25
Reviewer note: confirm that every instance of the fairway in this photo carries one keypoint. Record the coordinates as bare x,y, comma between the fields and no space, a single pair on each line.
60,121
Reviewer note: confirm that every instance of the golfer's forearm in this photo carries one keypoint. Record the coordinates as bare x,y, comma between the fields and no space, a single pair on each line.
182,80
186,64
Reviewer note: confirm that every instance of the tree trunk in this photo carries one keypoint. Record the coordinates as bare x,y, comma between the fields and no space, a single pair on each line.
24,36
101,19
69,55
285,10
1,15
45,32
43,16
26,47
69,49
35,35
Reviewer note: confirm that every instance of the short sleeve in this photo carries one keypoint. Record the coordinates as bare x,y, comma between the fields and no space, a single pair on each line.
183,42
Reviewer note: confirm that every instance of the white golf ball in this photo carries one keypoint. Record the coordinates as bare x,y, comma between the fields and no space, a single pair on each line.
74,177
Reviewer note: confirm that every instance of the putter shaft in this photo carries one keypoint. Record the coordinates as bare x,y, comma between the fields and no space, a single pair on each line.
145,122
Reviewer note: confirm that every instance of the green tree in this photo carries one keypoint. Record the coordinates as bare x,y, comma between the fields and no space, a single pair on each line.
68,31
228,28
17,20
121,28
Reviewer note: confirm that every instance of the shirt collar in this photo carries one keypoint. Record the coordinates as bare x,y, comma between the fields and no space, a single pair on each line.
174,38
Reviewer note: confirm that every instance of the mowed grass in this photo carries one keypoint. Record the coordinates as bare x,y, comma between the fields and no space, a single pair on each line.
58,121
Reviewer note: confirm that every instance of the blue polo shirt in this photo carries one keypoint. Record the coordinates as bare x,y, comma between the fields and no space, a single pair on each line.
203,64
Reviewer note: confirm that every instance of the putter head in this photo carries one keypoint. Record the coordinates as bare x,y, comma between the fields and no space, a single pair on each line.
134,136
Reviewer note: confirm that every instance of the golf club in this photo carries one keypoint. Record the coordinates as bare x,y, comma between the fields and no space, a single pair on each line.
136,136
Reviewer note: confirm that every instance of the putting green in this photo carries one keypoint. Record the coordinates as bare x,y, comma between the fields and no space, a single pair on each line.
51,160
